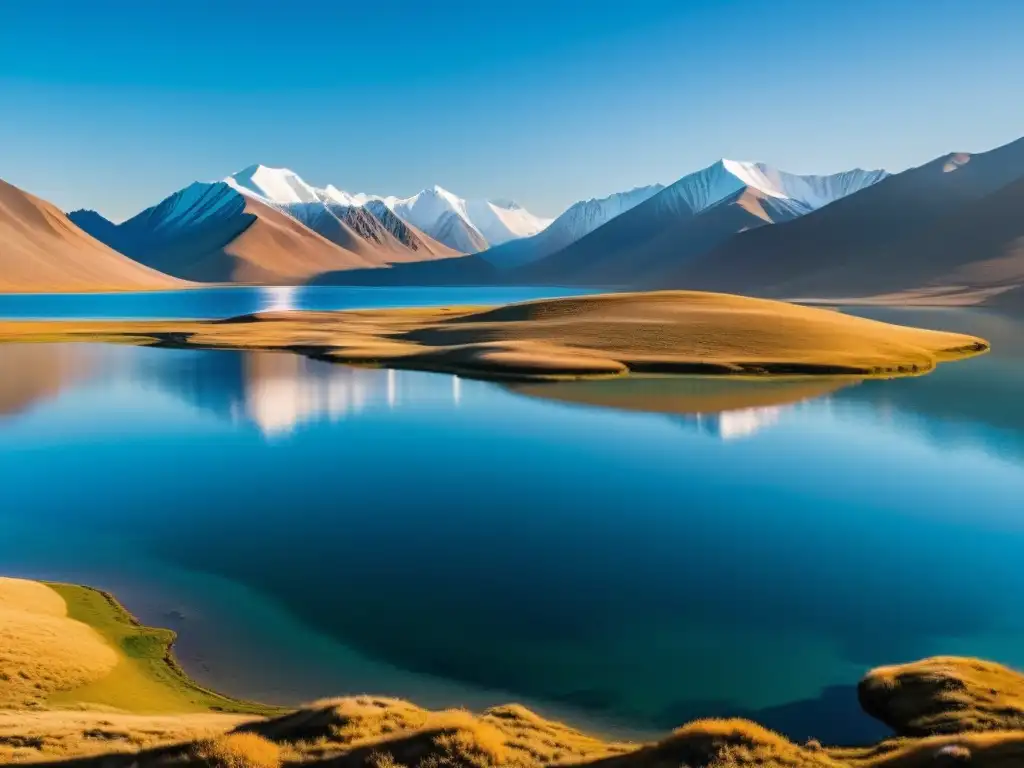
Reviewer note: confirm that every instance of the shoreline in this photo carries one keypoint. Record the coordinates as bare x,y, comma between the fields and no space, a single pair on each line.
151,648
426,690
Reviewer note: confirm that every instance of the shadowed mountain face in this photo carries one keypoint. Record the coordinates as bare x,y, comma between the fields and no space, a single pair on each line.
948,227
580,220
42,250
653,237
456,270
688,218
94,224
973,255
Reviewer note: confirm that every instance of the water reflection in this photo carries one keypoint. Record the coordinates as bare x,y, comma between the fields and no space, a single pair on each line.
727,409
280,298
280,391
740,423
33,373
973,404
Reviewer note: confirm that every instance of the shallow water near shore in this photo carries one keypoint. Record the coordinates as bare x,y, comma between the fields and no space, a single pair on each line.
316,530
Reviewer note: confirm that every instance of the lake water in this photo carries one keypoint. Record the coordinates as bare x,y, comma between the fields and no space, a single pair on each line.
206,303
316,530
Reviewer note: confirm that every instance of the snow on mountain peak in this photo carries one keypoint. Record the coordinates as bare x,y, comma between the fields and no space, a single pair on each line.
753,175
277,185
704,188
331,194
484,221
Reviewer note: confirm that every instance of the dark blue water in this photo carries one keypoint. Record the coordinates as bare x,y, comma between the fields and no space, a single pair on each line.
316,530
231,302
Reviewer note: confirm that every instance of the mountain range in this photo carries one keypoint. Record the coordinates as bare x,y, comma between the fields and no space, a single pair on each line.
689,217
947,232
267,225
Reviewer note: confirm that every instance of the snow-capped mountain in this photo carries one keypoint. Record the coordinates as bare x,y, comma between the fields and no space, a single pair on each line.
466,226
502,220
705,187
335,214
481,223
580,219
690,217
441,215
279,186
212,232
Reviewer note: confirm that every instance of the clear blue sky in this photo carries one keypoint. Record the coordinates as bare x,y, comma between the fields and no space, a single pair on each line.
114,105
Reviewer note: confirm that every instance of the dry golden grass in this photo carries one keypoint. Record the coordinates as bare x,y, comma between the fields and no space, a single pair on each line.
42,651
352,731
35,735
945,694
723,744
948,712
238,750
369,732
998,749
607,335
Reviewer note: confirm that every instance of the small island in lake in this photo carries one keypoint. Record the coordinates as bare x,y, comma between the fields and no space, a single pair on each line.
662,332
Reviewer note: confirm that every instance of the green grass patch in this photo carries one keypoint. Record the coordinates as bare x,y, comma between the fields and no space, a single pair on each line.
147,678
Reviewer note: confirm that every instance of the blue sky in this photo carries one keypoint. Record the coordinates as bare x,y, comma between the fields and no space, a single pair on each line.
114,105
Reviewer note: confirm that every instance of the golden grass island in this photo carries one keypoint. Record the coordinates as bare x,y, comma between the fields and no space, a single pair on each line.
82,684
608,335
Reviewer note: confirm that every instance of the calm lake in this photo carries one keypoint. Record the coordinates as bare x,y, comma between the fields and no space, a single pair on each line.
242,300
316,530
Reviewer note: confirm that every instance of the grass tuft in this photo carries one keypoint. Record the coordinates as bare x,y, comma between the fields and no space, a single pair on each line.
238,750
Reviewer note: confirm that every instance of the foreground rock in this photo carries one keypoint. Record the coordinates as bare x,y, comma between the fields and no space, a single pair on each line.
945,695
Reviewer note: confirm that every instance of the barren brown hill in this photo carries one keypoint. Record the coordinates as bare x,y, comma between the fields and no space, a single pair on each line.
950,226
655,237
41,250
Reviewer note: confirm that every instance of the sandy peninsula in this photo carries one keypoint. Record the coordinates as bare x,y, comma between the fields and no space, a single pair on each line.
665,332
83,684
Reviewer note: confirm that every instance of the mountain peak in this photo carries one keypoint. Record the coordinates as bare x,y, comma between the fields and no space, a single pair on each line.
276,185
